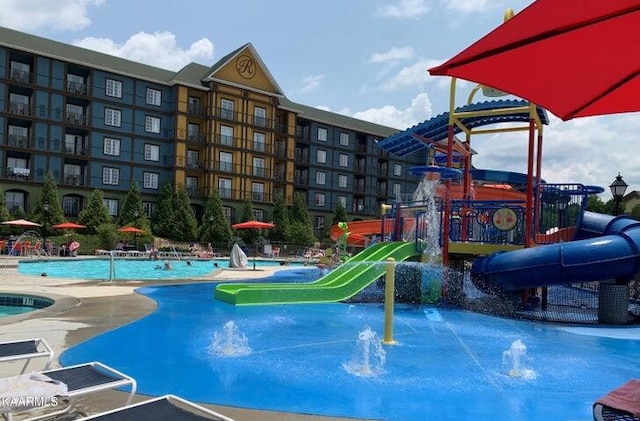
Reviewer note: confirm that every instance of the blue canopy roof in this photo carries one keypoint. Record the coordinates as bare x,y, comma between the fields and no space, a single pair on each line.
436,129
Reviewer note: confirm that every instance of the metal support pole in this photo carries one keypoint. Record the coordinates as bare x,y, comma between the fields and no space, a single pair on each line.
389,299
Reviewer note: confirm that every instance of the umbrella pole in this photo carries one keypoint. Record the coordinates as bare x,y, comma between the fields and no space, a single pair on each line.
255,254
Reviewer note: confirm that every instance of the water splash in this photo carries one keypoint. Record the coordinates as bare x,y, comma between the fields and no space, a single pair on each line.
230,342
515,358
369,356
426,193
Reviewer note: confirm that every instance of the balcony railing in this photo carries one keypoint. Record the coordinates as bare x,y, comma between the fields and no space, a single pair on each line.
76,88
18,141
226,114
226,167
18,173
20,108
197,110
195,164
78,150
77,119
197,137
195,191
73,180
21,76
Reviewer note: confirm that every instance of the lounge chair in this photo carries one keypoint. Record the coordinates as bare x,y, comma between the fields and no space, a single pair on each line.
27,350
80,380
622,403
164,408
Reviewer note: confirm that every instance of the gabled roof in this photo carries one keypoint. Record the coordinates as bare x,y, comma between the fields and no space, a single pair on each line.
192,74
235,53
436,128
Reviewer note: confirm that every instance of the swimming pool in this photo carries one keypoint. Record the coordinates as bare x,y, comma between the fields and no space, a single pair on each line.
449,364
126,269
15,304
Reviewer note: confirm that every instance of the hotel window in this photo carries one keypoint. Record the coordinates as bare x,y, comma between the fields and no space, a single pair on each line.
76,84
150,180
319,224
226,211
224,188
193,158
344,160
225,160
260,116
257,192
321,178
344,139
148,208
226,135
322,134
342,181
343,200
111,146
258,167
152,124
193,132
226,110
71,206
193,105
322,156
154,97
151,152
14,201
20,71
397,169
192,185
112,117
112,206
110,176
319,199
259,142
113,88
258,214
397,189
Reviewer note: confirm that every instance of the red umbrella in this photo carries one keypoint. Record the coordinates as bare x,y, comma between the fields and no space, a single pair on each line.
68,226
22,223
575,59
253,225
133,230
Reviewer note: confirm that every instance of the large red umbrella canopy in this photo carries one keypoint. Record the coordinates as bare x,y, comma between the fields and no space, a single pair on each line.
253,225
132,230
22,223
575,59
68,226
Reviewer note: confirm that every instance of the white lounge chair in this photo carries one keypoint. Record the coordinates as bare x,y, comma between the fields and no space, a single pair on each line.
80,380
164,408
27,349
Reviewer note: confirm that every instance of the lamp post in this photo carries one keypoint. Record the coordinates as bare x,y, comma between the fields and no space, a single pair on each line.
561,204
618,188
135,224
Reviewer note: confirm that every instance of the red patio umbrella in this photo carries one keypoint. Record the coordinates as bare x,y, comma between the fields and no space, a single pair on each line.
575,59
253,225
132,230
68,226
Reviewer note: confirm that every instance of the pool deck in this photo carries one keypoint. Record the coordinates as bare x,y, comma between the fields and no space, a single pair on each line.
84,309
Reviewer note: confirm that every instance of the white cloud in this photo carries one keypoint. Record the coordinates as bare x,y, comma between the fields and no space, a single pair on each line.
58,15
404,9
413,76
388,115
472,6
158,49
394,54
311,82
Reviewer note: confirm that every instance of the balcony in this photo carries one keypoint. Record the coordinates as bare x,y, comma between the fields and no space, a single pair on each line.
77,88
226,140
20,108
18,141
73,180
225,167
259,147
361,149
302,157
301,181
194,164
197,137
78,150
197,110
77,119
225,193
21,76
226,114
195,191
18,173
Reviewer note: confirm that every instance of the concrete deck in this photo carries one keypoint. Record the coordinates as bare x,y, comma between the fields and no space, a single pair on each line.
84,309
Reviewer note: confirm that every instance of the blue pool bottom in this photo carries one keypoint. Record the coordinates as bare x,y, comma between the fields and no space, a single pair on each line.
448,364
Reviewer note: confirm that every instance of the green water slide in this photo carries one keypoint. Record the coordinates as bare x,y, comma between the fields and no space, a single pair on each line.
341,283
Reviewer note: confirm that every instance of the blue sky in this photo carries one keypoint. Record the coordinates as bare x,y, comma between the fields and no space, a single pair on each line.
363,58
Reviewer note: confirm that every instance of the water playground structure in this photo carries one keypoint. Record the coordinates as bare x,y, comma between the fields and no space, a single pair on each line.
496,233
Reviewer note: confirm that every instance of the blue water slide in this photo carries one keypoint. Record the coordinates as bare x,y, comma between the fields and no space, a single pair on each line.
606,247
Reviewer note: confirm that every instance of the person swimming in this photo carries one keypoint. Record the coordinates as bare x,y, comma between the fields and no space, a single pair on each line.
167,265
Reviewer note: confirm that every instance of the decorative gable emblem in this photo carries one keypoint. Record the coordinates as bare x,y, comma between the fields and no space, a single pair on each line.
246,66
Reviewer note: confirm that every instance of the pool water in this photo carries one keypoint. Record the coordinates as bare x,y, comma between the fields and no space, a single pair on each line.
127,269
447,365
14,310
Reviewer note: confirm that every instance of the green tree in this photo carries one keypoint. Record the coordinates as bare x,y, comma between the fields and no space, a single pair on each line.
595,204
340,214
280,218
4,214
51,214
301,229
635,212
132,205
95,214
163,219
214,227
185,222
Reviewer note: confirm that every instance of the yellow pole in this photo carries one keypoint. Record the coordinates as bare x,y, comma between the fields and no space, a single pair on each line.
389,298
